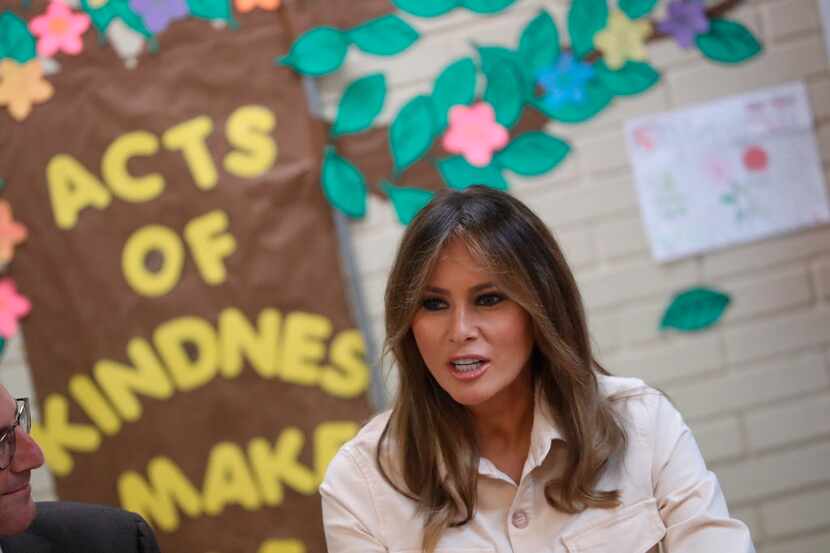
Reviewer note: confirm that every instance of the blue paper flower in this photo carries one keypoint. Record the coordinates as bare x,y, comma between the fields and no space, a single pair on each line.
564,82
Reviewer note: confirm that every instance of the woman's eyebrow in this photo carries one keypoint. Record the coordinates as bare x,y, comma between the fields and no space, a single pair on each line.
476,288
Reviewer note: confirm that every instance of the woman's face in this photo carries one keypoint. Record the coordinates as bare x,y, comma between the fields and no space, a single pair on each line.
474,340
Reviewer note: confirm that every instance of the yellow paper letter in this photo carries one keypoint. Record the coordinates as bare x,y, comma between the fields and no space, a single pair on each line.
303,347
350,376
92,401
229,481
248,129
172,339
72,188
122,382
133,261
282,546
210,242
57,436
279,464
157,499
328,437
237,337
114,167
189,137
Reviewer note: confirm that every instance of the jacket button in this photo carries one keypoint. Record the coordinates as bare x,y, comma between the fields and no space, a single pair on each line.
520,519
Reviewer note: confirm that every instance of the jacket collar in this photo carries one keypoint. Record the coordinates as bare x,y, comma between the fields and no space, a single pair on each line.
543,433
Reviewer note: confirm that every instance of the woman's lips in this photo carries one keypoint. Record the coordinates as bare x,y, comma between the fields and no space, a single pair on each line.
470,373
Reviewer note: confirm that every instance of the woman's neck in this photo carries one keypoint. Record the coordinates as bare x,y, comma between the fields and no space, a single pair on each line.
503,425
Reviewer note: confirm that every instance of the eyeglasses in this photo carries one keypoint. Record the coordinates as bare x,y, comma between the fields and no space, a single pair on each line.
23,419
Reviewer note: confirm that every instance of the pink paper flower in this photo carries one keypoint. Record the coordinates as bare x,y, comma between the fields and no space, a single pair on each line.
59,29
475,133
13,307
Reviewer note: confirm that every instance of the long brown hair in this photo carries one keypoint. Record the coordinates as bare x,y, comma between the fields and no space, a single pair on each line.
429,443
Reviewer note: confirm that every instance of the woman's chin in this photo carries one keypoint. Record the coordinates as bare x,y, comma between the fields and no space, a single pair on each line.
471,398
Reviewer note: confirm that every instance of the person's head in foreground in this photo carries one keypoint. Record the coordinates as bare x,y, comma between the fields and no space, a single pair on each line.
481,310
506,434
19,454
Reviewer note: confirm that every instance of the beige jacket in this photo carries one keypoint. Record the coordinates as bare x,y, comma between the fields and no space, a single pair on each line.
669,498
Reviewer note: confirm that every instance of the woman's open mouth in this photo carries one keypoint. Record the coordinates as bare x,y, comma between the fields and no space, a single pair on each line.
468,368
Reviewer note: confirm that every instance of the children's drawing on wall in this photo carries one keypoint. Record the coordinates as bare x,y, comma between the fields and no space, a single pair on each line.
728,172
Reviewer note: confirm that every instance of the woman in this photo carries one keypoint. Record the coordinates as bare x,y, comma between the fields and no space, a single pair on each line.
506,435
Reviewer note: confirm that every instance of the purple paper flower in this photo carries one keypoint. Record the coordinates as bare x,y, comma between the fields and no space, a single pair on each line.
686,19
565,81
158,14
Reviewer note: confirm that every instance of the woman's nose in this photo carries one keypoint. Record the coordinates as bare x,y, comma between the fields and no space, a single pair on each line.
463,325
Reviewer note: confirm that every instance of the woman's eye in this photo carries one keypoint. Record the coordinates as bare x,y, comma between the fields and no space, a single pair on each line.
489,299
433,304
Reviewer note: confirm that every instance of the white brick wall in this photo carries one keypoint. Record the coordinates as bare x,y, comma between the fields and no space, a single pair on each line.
809,544
784,424
755,389
778,472
798,513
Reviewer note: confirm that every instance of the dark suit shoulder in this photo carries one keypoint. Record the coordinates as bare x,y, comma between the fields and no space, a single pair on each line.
26,542
71,527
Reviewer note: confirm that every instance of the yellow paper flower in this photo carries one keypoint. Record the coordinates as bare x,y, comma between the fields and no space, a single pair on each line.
622,40
249,5
12,233
21,86
97,3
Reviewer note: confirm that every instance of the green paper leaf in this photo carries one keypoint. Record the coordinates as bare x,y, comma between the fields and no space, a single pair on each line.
16,42
407,201
728,42
2,345
490,56
634,77
360,104
384,36
317,52
343,185
412,132
486,6
585,19
597,98
115,9
504,92
636,9
455,85
539,43
459,174
695,309
210,9
426,8
533,153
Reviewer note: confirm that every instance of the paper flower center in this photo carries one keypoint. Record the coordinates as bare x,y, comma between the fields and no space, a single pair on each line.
58,26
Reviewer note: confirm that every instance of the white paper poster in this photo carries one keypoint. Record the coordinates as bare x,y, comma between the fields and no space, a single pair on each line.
731,171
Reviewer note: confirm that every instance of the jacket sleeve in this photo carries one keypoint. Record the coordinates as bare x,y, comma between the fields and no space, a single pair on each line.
146,538
689,497
350,517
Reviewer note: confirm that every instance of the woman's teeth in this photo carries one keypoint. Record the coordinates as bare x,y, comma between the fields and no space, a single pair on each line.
467,365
